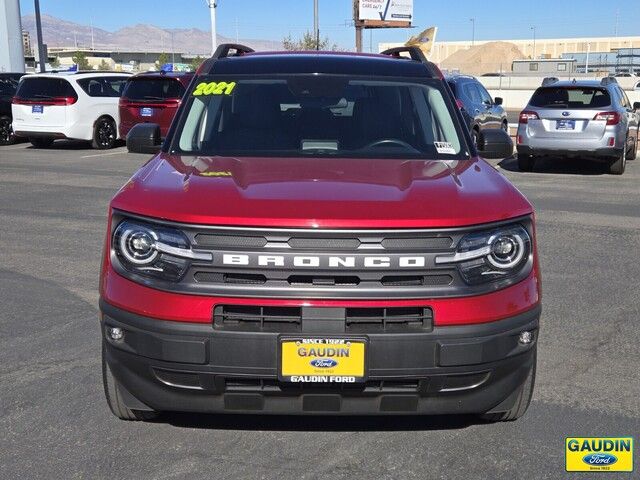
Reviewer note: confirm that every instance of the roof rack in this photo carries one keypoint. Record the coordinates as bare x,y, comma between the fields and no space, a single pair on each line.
416,55
549,81
223,51
224,48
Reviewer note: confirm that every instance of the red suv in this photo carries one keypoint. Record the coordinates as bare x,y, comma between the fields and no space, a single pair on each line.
152,97
318,235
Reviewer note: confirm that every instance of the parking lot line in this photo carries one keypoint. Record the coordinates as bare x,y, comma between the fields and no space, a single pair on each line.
122,150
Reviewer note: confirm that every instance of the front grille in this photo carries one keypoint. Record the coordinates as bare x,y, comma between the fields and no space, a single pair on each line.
290,319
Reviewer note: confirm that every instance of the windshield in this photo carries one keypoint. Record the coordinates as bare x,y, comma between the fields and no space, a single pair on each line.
573,97
141,89
319,115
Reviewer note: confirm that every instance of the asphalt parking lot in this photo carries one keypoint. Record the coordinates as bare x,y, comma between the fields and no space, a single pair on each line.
55,422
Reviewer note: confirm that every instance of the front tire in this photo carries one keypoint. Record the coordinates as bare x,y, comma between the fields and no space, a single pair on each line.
523,399
112,392
526,162
105,134
41,142
6,132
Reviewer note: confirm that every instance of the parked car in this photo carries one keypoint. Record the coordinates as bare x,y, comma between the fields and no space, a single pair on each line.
152,97
318,235
80,106
579,118
479,110
8,85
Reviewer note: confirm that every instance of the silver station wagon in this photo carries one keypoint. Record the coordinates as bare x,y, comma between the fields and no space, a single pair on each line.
579,118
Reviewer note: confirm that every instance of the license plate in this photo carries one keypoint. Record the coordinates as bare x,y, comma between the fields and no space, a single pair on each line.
146,112
565,125
322,360
37,108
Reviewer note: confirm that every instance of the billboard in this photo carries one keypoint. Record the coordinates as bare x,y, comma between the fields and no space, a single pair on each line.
385,13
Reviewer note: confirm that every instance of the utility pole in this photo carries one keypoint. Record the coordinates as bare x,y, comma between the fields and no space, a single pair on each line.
358,27
534,42
316,24
473,31
41,53
212,4
586,65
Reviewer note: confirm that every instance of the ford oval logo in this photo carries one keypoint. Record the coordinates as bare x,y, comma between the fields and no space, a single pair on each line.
323,363
566,114
599,459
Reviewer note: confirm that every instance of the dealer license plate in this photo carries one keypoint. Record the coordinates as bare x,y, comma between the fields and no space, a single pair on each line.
322,360
565,125
146,112
37,109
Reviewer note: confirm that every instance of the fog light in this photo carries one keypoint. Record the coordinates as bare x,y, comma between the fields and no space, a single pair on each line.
116,333
525,338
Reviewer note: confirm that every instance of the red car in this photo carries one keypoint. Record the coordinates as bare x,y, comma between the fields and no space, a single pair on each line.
319,235
152,97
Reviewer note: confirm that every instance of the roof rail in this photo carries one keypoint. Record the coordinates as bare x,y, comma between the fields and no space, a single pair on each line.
224,48
416,55
608,80
549,80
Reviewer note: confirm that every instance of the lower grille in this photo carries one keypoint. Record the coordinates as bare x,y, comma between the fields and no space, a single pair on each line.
290,319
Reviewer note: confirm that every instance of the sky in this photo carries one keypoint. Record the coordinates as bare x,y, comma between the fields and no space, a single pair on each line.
275,19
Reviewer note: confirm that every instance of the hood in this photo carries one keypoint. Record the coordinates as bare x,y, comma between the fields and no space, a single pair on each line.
321,192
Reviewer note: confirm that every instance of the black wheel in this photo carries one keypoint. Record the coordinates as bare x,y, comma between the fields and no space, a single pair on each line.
618,166
526,163
523,399
475,137
505,126
41,142
104,134
6,132
633,153
114,397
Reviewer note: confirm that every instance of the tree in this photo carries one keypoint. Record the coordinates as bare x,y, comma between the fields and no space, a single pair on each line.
104,65
196,62
55,63
308,42
80,59
163,58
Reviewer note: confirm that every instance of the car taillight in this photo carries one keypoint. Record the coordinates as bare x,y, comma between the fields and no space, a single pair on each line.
44,101
525,116
612,118
459,104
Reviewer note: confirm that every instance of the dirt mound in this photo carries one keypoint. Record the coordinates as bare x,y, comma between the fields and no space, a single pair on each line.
485,58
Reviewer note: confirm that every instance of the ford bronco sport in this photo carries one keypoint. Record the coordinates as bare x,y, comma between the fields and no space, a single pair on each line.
318,235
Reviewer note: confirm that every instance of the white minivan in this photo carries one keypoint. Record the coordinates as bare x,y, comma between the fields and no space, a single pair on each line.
80,106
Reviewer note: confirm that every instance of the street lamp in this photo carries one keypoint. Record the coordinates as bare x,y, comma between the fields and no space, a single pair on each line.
213,4
473,31
534,41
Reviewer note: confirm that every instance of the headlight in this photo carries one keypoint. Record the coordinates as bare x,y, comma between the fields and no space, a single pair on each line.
492,255
154,251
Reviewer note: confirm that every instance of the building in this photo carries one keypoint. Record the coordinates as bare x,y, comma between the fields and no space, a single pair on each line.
545,66
538,48
26,43
125,60
624,60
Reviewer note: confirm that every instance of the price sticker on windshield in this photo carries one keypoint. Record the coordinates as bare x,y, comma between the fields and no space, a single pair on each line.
214,88
445,147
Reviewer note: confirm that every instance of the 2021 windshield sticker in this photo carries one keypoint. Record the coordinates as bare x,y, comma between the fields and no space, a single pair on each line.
214,88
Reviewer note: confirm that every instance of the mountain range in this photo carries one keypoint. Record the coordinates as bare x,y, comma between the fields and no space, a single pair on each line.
57,32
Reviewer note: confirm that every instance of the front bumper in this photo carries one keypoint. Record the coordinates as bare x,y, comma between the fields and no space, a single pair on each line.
179,366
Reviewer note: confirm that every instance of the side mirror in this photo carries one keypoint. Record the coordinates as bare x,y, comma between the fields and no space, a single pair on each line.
636,106
498,101
495,143
144,138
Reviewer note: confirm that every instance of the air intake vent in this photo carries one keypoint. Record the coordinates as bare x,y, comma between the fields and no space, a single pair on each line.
395,319
229,241
252,318
234,278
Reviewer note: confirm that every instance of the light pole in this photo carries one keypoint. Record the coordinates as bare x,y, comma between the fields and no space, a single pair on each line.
41,53
534,42
316,25
213,4
473,31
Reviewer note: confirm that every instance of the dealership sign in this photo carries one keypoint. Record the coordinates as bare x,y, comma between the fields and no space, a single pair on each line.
388,12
